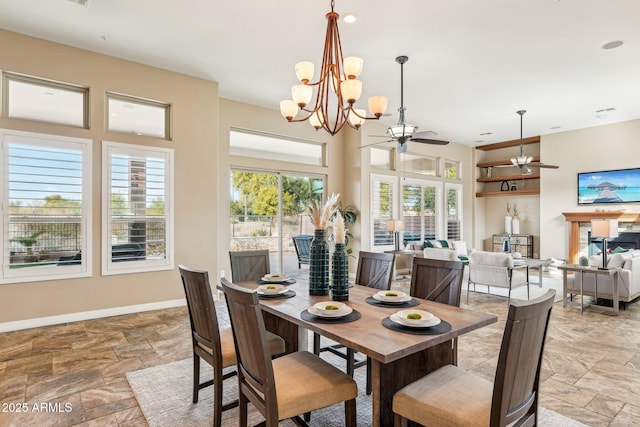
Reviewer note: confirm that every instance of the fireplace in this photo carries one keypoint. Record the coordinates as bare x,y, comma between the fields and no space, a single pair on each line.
625,240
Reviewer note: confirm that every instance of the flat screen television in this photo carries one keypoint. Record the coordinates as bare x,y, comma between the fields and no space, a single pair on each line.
614,186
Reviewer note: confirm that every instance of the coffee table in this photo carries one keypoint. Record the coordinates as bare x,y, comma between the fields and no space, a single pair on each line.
534,263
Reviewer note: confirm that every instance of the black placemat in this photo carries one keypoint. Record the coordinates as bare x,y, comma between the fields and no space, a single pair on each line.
286,282
411,303
286,294
351,317
440,328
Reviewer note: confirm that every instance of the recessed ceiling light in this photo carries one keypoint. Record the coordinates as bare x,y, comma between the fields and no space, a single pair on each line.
349,18
555,127
612,44
486,133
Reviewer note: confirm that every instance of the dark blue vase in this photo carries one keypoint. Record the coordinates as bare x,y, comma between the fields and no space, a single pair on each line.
339,273
319,264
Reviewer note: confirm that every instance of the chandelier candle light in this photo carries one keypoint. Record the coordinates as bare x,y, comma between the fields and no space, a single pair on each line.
338,82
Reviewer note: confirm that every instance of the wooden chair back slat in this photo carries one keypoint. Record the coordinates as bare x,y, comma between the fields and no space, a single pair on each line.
252,350
249,265
437,280
515,393
375,270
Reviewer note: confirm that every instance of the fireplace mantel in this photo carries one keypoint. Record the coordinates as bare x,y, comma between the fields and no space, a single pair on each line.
575,218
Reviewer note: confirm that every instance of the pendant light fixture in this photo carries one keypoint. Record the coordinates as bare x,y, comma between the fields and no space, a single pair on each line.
337,88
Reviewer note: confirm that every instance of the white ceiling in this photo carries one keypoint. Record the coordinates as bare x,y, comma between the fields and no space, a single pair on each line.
472,63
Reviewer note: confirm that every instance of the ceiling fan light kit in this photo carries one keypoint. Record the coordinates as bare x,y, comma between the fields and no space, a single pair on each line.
338,88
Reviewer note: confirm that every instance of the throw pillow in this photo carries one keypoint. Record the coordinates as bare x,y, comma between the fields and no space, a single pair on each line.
616,261
444,243
619,250
427,244
460,247
435,243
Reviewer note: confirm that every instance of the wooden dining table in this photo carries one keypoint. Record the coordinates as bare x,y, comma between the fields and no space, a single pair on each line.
397,358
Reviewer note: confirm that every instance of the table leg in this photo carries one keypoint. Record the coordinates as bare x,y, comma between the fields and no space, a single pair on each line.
564,288
581,294
295,338
387,378
616,297
540,276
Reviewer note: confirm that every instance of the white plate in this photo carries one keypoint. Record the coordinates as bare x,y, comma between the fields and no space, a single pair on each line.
317,309
392,301
275,278
271,289
402,321
425,317
382,296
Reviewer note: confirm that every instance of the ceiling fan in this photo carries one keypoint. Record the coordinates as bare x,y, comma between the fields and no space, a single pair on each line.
404,132
523,162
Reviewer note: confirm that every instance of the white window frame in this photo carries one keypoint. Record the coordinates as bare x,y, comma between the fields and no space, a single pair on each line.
422,183
53,272
130,114
460,192
135,266
393,181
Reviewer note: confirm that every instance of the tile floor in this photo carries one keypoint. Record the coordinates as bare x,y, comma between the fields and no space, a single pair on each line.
78,370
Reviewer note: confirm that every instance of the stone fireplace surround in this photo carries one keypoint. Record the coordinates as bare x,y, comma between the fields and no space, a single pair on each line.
580,226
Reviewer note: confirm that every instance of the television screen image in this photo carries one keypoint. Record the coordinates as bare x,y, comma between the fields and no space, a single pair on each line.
614,186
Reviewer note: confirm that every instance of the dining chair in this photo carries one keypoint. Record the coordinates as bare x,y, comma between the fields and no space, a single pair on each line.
440,281
293,384
249,265
452,396
211,343
374,270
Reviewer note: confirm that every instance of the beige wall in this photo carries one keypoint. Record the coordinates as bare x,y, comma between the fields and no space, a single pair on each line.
195,140
201,124
598,148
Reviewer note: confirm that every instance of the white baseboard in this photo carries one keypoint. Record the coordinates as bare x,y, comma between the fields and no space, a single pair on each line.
86,315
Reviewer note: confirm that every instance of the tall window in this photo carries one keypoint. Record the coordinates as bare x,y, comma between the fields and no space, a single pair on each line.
383,200
454,211
46,206
137,208
421,210
268,209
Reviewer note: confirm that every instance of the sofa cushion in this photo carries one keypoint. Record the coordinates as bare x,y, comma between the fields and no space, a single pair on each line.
461,248
617,260
595,260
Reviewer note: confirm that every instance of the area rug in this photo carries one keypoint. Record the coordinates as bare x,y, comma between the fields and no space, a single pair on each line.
164,395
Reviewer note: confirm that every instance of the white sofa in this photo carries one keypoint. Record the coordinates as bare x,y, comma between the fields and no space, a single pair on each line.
628,266
496,269
455,250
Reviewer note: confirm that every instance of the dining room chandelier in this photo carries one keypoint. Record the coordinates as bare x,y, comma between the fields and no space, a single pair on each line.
337,88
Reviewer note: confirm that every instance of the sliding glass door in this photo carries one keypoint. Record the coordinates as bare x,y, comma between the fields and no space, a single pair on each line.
269,208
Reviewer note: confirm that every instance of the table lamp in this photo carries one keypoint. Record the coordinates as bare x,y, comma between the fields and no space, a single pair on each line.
605,229
396,226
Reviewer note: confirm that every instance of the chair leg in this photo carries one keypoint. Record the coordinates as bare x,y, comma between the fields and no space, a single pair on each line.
350,413
398,420
196,377
217,398
242,403
369,387
351,360
316,344
454,351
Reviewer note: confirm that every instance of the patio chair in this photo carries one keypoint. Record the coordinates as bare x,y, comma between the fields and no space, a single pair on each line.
302,244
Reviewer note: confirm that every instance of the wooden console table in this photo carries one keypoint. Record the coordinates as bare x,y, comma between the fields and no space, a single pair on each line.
590,270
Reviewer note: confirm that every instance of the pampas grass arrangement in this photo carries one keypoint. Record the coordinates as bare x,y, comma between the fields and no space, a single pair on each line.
321,215
339,231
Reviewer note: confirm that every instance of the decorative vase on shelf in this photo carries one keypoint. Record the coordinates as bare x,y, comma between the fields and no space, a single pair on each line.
339,273
515,225
508,224
319,264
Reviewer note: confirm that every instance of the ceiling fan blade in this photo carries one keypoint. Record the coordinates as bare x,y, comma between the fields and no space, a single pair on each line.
429,141
375,143
542,165
424,134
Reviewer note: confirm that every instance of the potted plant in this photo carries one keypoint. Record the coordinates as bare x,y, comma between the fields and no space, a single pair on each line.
29,242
